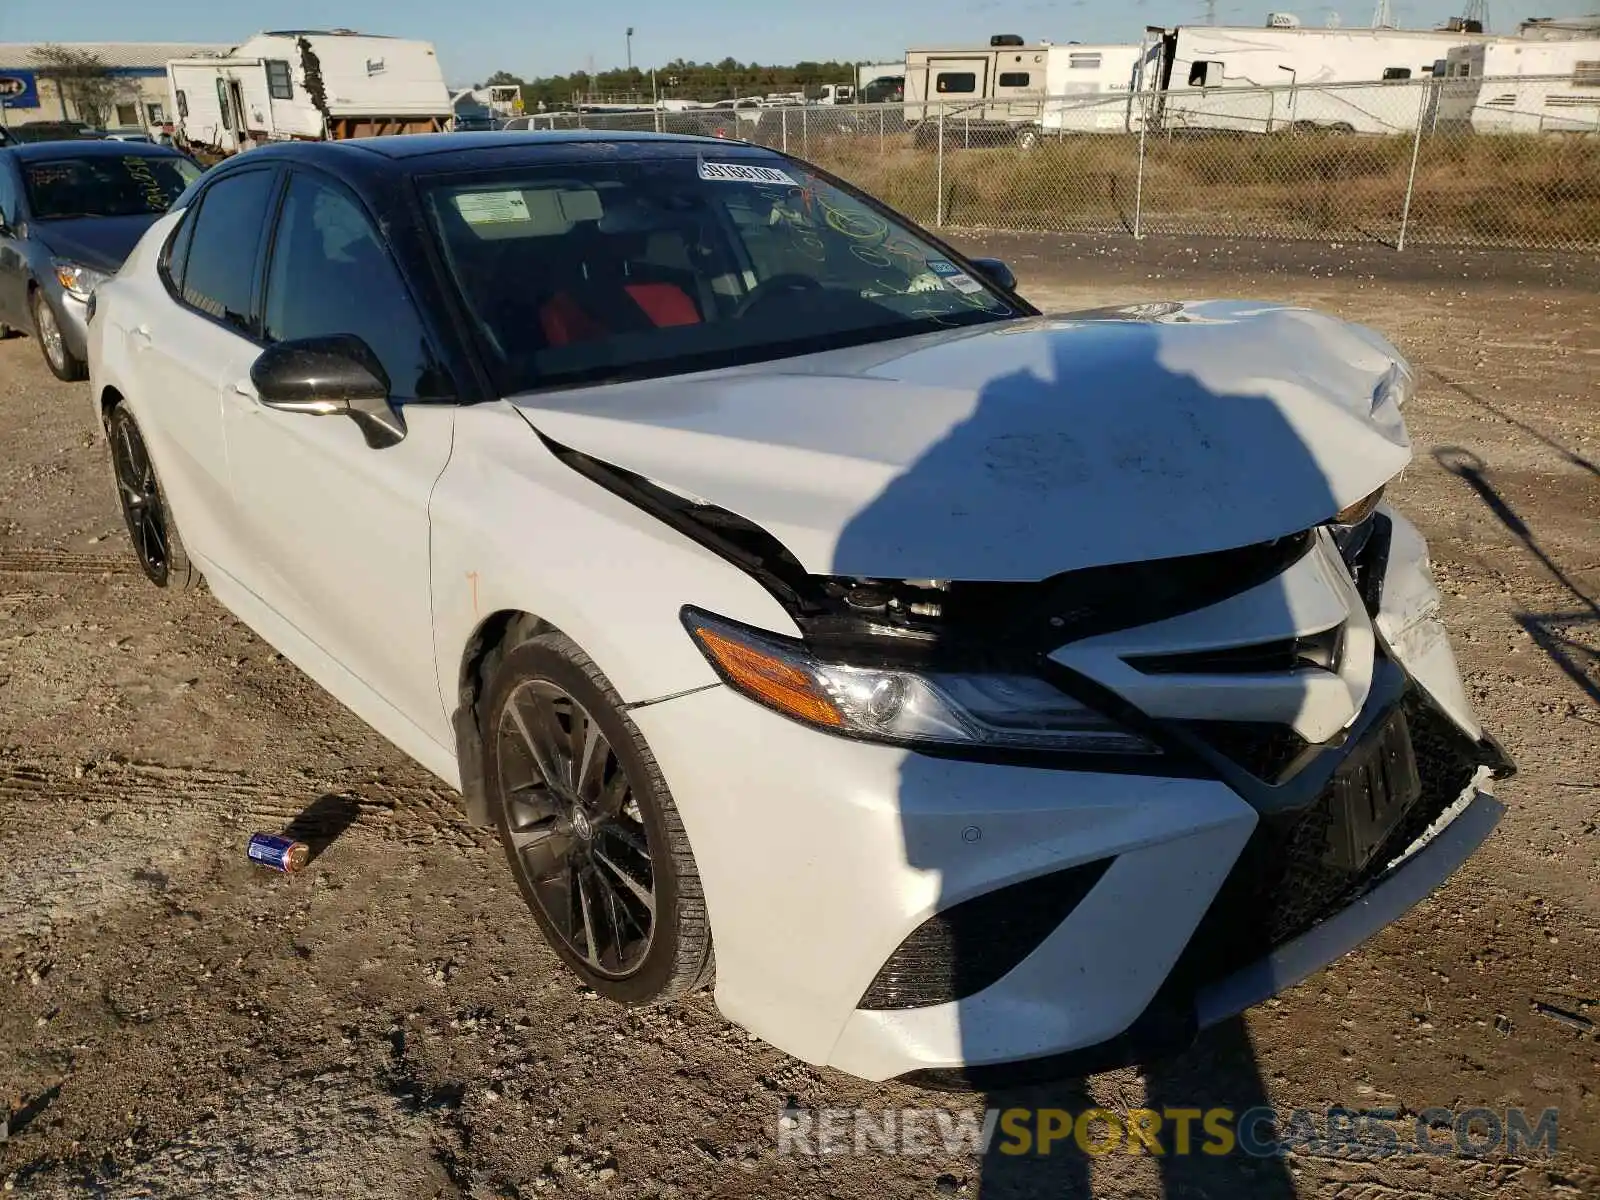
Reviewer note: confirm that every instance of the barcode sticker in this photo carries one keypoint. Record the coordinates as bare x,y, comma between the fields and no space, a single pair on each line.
743,173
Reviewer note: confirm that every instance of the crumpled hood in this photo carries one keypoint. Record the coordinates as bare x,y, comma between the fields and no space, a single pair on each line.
101,243
1019,450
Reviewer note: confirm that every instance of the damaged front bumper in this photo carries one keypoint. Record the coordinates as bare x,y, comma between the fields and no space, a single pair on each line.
896,883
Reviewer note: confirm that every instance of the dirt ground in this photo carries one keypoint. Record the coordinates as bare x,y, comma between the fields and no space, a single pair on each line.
174,1022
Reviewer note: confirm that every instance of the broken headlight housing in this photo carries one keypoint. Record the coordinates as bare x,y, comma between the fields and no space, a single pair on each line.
996,711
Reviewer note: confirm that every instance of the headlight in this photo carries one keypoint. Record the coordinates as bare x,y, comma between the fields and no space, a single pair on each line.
902,707
79,280
1360,510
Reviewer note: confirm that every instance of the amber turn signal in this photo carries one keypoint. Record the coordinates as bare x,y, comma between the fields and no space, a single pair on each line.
765,677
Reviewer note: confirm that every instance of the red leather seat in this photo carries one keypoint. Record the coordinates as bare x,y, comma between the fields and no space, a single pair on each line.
630,308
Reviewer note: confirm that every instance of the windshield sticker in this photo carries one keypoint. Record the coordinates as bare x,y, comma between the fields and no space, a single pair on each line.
943,267
717,172
963,283
491,208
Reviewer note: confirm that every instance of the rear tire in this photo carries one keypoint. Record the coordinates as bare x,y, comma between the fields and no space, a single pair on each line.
590,830
151,529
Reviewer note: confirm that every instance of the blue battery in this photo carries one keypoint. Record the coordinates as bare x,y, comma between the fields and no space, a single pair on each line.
278,852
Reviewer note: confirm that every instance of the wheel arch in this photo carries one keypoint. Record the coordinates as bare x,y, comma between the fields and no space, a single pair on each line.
498,633
107,400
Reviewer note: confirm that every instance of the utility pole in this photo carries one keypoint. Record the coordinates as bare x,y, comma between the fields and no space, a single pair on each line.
630,48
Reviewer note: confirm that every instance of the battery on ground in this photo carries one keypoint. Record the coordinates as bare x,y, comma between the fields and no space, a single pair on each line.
278,852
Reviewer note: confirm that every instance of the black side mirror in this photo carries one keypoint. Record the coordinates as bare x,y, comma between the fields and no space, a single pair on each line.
331,376
997,273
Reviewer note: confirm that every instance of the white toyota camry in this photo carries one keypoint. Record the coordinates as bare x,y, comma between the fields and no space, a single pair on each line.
973,695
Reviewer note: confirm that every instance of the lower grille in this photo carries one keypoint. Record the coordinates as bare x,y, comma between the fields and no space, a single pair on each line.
962,950
1297,870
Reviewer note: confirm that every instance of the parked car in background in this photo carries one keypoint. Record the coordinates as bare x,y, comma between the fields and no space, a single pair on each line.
474,123
1002,696
128,135
69,214
54,131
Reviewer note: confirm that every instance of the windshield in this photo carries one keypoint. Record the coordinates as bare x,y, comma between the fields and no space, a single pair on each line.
106,185
634,266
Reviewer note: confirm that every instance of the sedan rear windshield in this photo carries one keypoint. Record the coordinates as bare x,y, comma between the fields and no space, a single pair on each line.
106,185
629,267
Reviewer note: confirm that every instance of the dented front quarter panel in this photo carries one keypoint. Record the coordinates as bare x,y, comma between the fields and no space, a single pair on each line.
1411,623
1018,450
516,530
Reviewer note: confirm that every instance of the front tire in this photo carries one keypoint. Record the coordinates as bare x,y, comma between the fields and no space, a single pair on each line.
63,363
151,529
590,830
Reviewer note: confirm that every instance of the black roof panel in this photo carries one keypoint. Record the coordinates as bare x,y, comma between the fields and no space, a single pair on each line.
415,145
89,148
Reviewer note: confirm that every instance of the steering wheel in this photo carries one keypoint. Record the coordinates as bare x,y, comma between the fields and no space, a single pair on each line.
771,289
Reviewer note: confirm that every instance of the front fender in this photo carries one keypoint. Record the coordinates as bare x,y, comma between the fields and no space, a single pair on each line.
516,530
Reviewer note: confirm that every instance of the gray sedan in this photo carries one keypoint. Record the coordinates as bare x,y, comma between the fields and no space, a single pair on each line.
70,212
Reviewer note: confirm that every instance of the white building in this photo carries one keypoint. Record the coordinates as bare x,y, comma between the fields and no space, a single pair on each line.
138,71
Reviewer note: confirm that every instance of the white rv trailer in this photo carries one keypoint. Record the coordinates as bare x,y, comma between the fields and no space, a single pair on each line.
1093,89
1555,29
1282,76
311,85
1001,84
1011,89
1532,85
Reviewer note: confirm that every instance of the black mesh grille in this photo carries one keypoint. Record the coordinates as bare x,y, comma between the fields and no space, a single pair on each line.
1268,751
1290,876
962,950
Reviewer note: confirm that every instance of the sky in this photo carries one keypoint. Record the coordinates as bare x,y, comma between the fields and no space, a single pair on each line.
531,39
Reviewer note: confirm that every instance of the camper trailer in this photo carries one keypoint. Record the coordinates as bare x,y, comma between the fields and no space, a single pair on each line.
1532,85
1283,76
309,85
1013,90
1093,89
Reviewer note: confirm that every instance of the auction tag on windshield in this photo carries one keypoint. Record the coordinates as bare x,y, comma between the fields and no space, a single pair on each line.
743,173
491,208
953,276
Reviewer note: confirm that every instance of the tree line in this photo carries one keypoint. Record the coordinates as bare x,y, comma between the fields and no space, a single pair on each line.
679,79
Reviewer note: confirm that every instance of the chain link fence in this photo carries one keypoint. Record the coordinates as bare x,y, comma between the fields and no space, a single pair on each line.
1466,161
